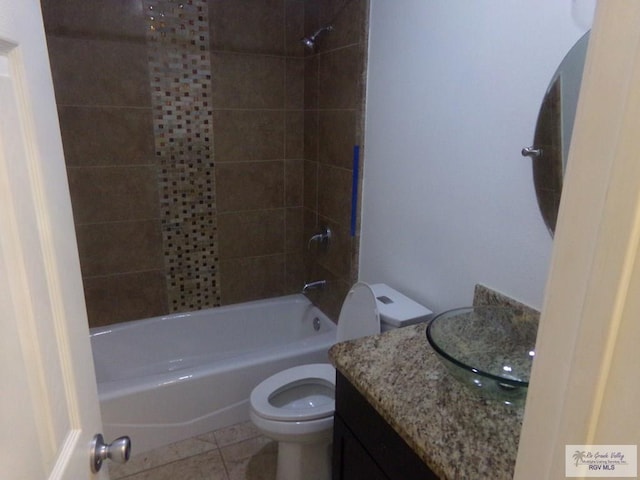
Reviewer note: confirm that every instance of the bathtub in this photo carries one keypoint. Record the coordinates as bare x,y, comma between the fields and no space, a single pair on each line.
168,378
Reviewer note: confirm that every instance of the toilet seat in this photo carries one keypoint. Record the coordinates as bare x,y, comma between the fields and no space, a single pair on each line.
315,382
306,392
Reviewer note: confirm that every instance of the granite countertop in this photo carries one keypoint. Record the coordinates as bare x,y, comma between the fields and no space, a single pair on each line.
458,434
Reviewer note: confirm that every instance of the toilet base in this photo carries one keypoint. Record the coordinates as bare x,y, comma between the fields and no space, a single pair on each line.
304,461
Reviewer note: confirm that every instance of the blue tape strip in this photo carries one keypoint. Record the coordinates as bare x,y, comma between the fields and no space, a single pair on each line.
354,188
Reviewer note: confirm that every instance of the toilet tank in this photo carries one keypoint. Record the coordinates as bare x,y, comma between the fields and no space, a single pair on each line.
397,310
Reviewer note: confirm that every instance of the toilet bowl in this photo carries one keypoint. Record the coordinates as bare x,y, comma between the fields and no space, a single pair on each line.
295,406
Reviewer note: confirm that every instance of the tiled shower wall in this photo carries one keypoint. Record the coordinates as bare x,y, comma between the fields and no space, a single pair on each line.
258,123
334,88
267,160
99,61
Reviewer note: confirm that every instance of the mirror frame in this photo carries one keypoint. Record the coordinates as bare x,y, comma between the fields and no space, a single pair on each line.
553,132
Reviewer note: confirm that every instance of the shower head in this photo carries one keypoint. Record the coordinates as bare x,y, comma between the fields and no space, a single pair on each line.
310,41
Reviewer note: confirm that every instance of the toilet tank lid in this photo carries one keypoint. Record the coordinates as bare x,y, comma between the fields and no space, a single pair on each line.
396,309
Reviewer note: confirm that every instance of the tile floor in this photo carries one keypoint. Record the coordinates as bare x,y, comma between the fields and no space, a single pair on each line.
237,452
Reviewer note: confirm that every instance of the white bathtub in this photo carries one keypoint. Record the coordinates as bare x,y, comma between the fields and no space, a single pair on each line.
164,379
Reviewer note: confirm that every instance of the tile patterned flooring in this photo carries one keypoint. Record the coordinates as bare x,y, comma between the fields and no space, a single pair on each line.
238,452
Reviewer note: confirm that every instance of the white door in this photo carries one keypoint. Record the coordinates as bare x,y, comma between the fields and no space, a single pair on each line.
49,410
585,388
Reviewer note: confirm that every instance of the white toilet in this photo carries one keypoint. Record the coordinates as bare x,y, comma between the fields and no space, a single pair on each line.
295,406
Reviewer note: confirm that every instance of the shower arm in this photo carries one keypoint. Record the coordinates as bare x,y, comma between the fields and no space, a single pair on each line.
310,41
328,28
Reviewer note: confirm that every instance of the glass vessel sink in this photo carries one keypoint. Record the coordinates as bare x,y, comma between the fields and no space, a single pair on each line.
489,349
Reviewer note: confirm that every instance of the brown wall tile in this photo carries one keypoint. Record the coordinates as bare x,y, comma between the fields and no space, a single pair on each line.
118,247
95,19
311,135
349,20
294,273
294,86
247,81
294,182
99,72
310,227
337,258
254,26
334,194
310,197
245,279
334,96
331,298
294,27
341,78
241,135
311,79
249,186
106,194
311,16
255,233
355,259
294,232
337,136
107,136
294,134
119,298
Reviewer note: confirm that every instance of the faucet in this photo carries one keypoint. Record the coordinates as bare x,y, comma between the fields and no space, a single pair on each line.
317,285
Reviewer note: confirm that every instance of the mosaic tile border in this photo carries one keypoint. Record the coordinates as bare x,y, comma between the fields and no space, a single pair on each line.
180,76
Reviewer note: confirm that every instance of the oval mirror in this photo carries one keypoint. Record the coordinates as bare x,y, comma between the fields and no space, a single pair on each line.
553,132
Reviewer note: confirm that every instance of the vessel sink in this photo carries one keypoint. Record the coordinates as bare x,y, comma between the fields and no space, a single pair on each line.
489,349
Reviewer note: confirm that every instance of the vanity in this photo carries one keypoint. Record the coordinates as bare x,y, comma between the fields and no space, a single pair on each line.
401,416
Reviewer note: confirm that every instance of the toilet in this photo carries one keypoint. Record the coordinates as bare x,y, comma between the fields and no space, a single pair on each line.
295,406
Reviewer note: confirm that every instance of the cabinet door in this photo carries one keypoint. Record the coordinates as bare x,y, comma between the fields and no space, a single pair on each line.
350,460
381,443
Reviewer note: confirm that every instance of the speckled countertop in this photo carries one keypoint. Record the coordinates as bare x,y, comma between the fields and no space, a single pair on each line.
459,435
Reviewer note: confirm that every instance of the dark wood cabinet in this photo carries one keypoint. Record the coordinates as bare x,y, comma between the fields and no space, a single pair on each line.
353,460
365,446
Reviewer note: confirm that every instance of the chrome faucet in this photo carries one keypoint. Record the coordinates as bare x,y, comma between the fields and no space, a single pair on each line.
317,285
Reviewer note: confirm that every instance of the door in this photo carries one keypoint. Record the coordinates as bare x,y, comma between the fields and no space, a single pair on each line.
48,403
584,383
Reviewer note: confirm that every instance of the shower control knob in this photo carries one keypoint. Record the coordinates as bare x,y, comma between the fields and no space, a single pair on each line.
119,451
322,238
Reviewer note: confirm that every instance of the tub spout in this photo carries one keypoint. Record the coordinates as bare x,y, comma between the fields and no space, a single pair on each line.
318,285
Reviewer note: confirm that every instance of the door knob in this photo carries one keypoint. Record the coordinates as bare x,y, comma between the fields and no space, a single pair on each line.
532,152
119,451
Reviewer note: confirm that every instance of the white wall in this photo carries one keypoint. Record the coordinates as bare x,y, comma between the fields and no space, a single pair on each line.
453,92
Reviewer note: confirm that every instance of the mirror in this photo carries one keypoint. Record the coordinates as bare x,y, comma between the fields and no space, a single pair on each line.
553,132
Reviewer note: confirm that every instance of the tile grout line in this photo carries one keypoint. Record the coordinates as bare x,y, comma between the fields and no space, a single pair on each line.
217,447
